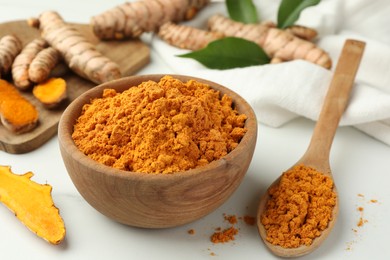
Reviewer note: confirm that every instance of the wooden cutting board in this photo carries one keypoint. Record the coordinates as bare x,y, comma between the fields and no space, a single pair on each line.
131,55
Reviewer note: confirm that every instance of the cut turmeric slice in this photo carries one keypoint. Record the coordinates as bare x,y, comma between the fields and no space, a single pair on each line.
17,114
32,204
51,92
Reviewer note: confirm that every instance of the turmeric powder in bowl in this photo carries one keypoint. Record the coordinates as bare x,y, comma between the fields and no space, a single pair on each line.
154,199
159,127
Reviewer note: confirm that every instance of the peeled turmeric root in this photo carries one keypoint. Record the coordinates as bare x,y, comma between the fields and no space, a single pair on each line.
80,55
17,114
51,92
279,45
187,37
32,204
10,46
131,19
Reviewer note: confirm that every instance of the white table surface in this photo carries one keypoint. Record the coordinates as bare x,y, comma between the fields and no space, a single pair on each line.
360,165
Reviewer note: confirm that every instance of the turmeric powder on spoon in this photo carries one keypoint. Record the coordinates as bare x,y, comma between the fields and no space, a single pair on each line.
300,207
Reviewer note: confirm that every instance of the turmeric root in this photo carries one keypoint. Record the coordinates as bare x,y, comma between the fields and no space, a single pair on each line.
22,63
187,37
131,19
50,92
43,63
80,55
32,204
33,22
17,114
302,32
278,44
10,47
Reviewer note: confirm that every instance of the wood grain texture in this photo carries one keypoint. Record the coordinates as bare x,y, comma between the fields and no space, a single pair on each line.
131,55
155,200
318,151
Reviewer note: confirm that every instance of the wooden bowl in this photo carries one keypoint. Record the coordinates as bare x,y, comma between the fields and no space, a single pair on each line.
155,200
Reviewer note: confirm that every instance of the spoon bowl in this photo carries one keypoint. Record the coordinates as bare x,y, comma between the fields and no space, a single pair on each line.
302,250
317,154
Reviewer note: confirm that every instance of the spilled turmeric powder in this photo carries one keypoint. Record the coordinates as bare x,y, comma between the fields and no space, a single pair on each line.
249,220
159,127
225,235
232,219
361,219
300,207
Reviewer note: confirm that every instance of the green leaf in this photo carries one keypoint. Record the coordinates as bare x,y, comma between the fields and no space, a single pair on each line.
289,11
229,52
242,11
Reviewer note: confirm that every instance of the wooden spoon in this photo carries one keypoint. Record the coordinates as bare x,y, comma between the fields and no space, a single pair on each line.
317,154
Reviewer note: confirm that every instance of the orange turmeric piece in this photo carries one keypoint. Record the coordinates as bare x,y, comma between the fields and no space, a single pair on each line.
17,114
32,204
159,127
131,19
51,92
280,45
10,47
300,207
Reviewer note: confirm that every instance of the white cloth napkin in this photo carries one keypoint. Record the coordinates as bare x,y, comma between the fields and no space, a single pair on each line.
281,92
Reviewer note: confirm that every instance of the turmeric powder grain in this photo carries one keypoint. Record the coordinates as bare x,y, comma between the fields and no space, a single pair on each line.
159,127
300,207
232,219
361,221
249,220
224,236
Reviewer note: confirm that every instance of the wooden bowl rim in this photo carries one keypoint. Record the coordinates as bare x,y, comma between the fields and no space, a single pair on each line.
65,129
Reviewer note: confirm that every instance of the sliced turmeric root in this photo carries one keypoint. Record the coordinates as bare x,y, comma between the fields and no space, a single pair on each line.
51,92
32,204
17,114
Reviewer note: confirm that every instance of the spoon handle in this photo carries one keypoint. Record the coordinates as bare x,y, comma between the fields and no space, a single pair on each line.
336,99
